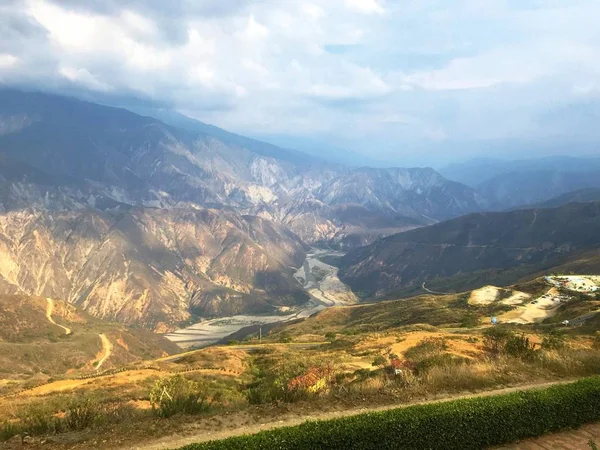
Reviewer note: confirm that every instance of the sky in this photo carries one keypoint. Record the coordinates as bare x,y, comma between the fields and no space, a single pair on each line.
395,81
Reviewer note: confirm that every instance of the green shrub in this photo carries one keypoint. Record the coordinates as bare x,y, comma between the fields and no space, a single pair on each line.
177,395
555,340
495,338
379,361
519,345
460,424
43,418
330,336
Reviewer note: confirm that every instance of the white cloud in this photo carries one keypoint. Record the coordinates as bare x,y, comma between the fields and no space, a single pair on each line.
8,61
365,6
380,73
84,78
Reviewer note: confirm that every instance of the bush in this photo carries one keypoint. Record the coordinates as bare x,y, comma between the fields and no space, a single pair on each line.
330,336
430,353
555,340
177,395
273,378
460,424
379,361
495,339
45,418
518,345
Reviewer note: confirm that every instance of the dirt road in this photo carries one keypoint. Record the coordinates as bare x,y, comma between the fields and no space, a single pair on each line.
49,311
194,436
107,348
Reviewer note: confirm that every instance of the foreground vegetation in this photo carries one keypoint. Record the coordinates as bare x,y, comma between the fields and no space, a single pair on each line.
360,357
465,424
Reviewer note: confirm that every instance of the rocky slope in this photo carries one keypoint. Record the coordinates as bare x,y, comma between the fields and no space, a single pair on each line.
147,223
150,266
141,161
473,250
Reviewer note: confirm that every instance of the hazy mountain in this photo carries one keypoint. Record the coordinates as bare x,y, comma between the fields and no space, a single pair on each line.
148,223
480,170
473,250
579,196
507,184
523,188
259,147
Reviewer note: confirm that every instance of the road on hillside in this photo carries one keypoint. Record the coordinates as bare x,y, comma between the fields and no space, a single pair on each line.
107,349
177,441
49,311
434,292
246,347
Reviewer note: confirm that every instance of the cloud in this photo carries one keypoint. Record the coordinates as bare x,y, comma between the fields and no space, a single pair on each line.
373,75
7,60
365,6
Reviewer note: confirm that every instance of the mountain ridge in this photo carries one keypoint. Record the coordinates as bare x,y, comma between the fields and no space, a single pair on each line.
473,249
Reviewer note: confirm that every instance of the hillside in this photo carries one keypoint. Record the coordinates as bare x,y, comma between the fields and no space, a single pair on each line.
578,196
34,343
471,251
150,266
146,223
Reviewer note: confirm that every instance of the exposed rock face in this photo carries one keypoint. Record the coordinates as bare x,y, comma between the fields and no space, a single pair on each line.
473,250
109,153
150,266
142,222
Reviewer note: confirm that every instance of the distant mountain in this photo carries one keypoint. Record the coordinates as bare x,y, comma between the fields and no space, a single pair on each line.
523,188
261,148
507,184
470,251
481,170
149,223
579,196
140,161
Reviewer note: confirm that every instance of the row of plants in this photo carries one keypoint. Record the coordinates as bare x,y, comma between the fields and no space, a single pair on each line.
461,424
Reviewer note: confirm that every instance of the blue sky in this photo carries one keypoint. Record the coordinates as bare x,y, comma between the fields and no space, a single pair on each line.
415,82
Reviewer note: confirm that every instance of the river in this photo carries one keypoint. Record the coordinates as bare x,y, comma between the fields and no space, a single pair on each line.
320,281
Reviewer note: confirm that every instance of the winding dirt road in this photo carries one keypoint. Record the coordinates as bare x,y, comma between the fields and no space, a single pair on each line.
49,311
107,348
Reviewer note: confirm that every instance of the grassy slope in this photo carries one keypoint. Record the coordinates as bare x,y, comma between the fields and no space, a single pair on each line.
30,344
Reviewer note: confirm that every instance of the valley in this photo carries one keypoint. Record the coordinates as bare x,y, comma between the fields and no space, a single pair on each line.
318,279
160,279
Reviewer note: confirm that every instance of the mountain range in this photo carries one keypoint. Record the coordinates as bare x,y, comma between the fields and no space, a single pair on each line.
144,222
474,250
136,220
510,184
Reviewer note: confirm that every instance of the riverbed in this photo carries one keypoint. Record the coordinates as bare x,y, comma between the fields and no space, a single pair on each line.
319,280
